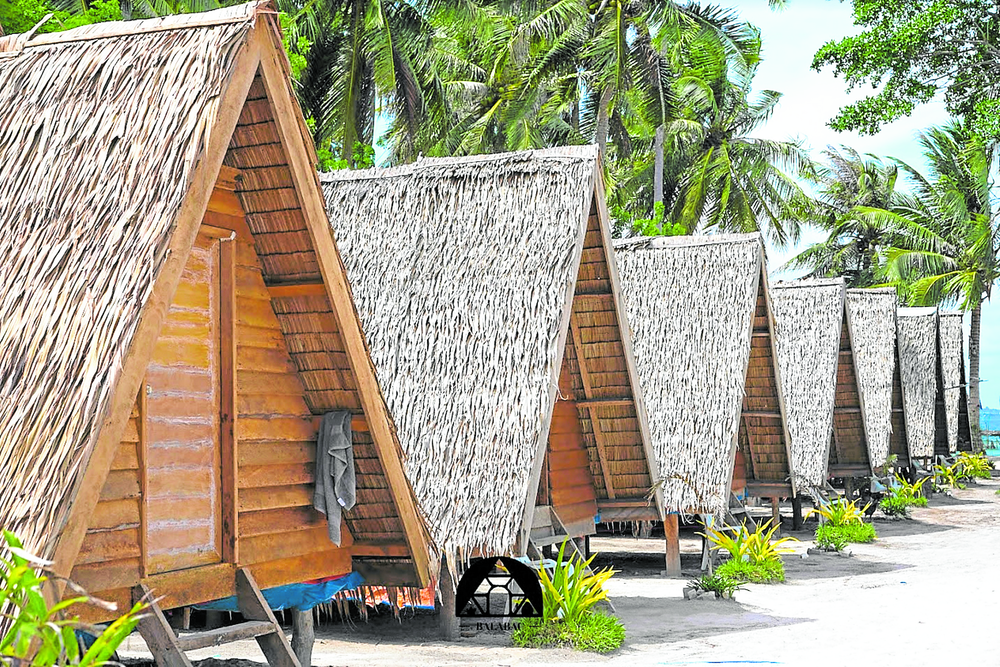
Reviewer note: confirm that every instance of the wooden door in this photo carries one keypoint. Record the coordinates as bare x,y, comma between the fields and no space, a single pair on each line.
183,477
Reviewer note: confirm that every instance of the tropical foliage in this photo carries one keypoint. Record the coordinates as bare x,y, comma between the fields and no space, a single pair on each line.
754,555
41,634
839,512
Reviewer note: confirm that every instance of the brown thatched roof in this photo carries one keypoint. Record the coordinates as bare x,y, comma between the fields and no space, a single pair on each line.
951,341
112,137
463,272
808,317
871,314
917,334
87,210
692,339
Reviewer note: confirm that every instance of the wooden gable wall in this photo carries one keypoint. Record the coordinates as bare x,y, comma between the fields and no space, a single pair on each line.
596,386
849,444
762,430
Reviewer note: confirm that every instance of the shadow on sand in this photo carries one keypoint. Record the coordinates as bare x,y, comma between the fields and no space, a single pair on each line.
645,619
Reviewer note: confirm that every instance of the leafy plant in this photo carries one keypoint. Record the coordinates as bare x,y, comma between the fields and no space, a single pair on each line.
752,547
895,505
722,586
830,539
840,512
569,592
949,475
973,466
595,632
829,535
758,573
39,635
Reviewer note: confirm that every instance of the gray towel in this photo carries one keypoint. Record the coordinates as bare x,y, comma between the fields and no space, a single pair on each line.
335,483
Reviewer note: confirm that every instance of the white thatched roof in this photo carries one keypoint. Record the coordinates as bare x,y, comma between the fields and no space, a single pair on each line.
871,315
808,316
952,359
917,334
462,271
690,303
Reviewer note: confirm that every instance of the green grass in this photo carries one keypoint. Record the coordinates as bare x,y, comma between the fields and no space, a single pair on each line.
764,572
839,536
594,632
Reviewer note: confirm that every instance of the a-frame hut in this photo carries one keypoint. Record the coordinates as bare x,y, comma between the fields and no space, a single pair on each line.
160,387
490,302
916,329
951,345
820,386
705,359
872,317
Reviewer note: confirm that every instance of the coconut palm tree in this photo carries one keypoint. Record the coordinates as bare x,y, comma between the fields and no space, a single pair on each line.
847,186
953,236
732,180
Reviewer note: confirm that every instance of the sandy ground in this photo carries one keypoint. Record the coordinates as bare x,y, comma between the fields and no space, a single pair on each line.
925,593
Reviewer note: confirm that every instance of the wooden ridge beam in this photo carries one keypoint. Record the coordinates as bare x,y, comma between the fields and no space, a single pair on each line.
594,421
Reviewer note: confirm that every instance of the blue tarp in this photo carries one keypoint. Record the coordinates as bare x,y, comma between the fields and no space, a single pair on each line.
301,596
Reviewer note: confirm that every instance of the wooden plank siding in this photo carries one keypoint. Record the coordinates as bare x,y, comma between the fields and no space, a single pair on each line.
850,446
762,433
595,362
112,551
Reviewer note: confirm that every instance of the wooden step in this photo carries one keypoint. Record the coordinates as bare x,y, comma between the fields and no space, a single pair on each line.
546,540
224,635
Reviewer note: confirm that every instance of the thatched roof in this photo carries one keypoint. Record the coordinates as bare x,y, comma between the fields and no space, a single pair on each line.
871,314
91,184
692,338
112,138
952,361
808,317
463,271
917,334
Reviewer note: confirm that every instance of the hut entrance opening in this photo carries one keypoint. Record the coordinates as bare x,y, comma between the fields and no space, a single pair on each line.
182,396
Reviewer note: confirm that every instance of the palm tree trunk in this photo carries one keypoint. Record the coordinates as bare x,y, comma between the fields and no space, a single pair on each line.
658,169
974,333
603,114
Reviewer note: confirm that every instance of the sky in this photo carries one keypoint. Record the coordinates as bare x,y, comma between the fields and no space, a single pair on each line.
810,99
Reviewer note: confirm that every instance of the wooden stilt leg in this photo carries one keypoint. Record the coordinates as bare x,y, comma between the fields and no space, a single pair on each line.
303,635
671,534
797,513
586,546
776,513
849,487
448,619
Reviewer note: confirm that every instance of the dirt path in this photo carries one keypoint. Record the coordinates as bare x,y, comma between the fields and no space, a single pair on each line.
926,593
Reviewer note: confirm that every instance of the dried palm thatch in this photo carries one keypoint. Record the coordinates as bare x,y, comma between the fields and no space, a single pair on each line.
808,317
917,334
951,342
871,315
463,271
692,345
91,185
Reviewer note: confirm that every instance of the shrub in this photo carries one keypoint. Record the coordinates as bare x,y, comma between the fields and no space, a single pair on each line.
973,466
716,583
569,592
949,475
840,512
829,535
757,573
752,547
39,631
894,505
595,632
